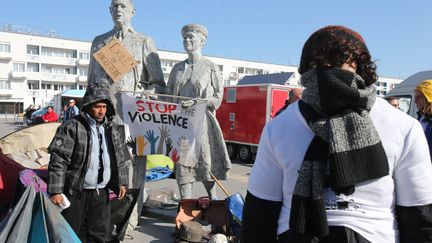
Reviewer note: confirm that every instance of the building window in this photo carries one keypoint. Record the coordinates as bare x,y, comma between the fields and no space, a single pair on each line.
58,87
166,77
83,72
34,50
46,69
11,107
84,55
70,70
33,67
46,86
56,52
33,84
19,67
240,70
59,70
231,95
5,47
252,71
81,87
220,68
70,86
5,84
167,63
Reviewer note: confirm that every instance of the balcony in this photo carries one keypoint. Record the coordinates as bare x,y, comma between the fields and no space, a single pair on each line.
34,58
59,77
5,56
5,93
82,62
20,76
33,93
80,78
58,60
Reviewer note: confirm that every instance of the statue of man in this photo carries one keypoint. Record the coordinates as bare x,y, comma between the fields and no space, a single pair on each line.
148,72
199,78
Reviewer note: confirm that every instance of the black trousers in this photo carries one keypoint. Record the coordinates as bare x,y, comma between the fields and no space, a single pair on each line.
338,234
89,215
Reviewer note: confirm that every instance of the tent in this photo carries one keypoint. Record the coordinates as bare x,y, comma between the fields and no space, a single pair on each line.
22,142
35,219
31,142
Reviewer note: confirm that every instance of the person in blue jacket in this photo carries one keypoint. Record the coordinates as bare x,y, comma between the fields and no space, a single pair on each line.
71,111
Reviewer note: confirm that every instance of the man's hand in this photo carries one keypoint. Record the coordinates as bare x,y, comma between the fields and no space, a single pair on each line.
57,199
122,192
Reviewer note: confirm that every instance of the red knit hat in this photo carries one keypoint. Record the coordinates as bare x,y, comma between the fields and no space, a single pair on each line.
329,34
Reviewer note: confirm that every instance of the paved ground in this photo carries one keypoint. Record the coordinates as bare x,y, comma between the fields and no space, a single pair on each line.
158,225
7,126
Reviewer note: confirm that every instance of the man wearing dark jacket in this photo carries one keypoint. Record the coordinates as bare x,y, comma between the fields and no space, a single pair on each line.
87,158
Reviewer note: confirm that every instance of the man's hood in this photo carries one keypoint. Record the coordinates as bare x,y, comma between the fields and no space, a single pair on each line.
96,93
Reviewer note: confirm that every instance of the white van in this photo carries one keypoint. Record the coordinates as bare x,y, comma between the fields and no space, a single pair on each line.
405,92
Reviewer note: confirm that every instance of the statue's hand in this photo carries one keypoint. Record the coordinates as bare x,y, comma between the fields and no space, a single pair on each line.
188,103
149,94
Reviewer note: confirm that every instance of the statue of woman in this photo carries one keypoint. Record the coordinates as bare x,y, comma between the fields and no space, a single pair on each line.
199,78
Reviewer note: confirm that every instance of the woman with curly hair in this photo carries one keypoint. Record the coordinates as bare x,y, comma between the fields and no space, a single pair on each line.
352,174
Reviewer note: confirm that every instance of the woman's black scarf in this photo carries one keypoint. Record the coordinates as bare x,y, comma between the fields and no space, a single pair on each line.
345,150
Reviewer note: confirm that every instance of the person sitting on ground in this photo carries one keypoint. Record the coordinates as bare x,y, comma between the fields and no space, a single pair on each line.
50,115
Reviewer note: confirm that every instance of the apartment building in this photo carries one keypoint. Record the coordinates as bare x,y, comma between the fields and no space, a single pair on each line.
35,67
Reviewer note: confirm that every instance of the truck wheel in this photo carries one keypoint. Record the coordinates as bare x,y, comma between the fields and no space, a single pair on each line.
245,154
232,150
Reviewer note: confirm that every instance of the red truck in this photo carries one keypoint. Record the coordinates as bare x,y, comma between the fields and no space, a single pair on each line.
244,111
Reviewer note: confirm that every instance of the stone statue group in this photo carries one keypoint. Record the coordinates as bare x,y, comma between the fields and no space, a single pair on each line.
194,78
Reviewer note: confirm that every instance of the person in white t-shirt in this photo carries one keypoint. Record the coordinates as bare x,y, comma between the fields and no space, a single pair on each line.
334,166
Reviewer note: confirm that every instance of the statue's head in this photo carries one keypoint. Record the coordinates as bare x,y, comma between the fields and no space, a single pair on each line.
194,36
122,12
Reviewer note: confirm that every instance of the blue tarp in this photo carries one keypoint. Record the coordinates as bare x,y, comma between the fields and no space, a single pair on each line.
158,173
75,93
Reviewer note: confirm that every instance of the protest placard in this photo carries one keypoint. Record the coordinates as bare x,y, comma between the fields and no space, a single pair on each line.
157,127
115,59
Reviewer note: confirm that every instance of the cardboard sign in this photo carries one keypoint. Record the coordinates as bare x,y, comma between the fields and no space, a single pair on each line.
115,59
